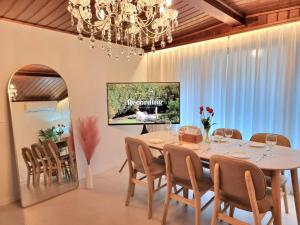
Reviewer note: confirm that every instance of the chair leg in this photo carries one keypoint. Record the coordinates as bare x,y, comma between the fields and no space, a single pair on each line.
197,210
285,199
166,204
231,211
186,194
129,192
133,186
28,178
150,197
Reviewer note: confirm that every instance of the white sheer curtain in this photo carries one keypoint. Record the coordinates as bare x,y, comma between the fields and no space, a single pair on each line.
201,70
252,80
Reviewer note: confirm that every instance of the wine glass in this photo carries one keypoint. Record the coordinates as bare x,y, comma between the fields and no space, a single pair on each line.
219,134
168,124
271,140
228,133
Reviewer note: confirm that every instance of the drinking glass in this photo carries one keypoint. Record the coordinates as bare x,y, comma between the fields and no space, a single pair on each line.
228,133
271,140
181,132
168,124
219,135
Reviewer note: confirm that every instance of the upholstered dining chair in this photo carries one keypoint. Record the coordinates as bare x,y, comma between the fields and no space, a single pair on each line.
184,168
140,160
51,149
240,184
30,165
236,133
41,161
282,141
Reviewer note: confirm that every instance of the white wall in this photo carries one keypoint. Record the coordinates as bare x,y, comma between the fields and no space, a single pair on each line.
85,71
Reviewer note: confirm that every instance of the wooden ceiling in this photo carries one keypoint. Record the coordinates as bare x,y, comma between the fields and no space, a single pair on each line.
38,83
198,19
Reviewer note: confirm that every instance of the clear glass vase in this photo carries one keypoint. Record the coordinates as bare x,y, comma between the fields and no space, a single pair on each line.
206,136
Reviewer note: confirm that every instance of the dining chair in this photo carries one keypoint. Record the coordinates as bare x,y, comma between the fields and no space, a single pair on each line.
236,133
140,160
281,141
30,165
239,184
184,168
56,164
41,162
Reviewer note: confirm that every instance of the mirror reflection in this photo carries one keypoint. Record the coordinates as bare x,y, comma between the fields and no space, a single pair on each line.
44,148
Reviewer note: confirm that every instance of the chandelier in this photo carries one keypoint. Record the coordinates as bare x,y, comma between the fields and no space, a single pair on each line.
131,23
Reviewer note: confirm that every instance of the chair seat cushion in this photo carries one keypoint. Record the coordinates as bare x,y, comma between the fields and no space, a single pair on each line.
204,183
283,181
264,205
157,168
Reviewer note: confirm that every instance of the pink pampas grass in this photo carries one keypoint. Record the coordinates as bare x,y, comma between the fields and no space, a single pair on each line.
88,136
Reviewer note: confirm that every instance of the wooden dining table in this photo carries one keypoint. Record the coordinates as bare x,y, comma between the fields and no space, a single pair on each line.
271,160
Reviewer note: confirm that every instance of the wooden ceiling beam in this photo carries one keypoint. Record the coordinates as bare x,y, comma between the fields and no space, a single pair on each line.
219,10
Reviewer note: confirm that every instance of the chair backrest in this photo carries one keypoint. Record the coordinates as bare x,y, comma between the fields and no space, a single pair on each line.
51,149
133,144
236,133
177,162
281,140
232,178
28,158
41,155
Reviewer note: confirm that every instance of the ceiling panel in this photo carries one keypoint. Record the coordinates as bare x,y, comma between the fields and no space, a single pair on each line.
52,14
248,7
39,83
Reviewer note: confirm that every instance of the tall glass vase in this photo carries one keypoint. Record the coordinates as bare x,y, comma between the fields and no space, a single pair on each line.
206,137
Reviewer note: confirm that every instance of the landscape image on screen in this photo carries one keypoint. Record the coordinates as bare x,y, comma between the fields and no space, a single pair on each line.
139,103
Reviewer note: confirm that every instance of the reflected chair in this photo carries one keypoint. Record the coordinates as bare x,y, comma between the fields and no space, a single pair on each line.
281,141
51,150
236,133
184,168
31,168
239,184
39,156
141,160
50,169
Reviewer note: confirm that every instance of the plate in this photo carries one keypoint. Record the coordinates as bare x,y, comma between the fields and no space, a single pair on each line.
156,141
240,155
223,140
257,144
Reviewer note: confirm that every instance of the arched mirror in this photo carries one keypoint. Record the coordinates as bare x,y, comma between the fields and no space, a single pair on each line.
44,146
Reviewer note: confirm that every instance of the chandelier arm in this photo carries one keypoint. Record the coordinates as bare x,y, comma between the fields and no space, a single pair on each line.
147,32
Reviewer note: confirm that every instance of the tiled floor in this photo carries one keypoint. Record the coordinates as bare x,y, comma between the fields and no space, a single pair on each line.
104,205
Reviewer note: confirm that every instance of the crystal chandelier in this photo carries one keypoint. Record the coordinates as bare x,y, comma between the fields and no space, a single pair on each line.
131,23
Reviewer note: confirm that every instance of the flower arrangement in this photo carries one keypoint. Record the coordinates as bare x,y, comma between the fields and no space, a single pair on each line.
206,119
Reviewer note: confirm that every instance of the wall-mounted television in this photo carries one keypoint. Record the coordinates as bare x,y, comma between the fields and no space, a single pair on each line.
143,103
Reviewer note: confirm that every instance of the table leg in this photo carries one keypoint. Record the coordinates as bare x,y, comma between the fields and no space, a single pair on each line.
276,197
295,182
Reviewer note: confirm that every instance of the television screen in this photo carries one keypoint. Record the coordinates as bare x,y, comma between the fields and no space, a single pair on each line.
140,103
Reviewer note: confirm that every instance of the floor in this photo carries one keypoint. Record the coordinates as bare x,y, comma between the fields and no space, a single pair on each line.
104,205
31,194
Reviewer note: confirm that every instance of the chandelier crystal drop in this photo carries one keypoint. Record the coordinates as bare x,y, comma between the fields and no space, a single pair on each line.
131,23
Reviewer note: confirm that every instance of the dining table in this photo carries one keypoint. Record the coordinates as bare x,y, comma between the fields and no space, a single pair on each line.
273,160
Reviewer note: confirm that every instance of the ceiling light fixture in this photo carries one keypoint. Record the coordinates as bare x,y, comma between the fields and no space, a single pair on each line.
131,23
